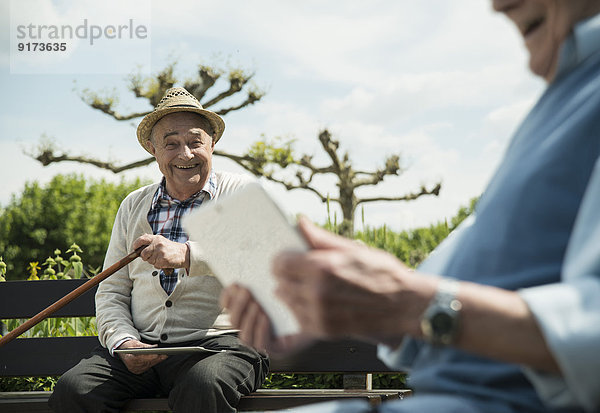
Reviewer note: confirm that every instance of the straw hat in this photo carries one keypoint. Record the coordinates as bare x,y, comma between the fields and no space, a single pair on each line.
177,99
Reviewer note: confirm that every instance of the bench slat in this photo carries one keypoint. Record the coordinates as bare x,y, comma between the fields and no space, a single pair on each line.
262,399
54,355
346,356
24,299
19,402
44,356
275,399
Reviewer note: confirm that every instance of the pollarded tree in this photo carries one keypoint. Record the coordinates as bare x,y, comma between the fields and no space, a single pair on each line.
266,159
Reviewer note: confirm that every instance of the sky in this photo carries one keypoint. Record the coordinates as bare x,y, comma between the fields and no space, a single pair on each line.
442,83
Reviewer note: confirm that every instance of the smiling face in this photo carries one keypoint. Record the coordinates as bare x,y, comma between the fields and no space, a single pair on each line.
544,25
182,144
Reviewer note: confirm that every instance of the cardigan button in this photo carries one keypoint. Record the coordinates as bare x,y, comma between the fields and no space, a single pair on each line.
154,273
169,303
164,337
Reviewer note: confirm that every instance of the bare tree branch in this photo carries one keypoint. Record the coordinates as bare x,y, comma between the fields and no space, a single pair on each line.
408,197
106,108
252,97
392,167
207,76
331,146
306,161
249,163
375,178
153,88
242,160
47,157
289,186
237,80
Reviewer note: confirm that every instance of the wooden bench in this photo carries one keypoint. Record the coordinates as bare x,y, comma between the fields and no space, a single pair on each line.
38,357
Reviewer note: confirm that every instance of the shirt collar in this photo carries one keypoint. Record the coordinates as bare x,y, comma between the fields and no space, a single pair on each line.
583,42
210,188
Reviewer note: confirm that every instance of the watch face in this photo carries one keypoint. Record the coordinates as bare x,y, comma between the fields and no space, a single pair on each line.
441,323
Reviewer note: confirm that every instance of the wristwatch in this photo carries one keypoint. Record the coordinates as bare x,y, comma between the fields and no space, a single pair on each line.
441,319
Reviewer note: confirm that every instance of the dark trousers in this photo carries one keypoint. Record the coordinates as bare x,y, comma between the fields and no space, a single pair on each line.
206,382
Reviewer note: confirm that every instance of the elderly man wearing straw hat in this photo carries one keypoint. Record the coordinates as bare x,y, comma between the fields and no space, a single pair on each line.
169,298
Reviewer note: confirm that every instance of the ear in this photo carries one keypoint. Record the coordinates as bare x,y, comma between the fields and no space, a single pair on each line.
151,147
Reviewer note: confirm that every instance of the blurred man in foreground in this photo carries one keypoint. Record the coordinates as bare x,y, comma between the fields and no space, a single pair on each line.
505,315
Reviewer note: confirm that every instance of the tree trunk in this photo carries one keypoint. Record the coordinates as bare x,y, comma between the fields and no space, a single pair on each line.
348,204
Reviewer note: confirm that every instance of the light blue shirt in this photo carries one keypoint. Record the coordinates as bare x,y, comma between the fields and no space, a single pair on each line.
536,230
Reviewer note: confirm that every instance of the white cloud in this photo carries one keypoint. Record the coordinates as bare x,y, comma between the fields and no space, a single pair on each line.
403,95
338,43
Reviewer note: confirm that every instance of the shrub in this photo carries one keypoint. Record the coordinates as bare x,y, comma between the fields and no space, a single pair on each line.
67,209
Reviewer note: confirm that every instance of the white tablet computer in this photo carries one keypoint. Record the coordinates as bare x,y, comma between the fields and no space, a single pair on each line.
241,234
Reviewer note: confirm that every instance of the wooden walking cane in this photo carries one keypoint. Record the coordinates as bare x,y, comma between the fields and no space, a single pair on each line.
71,296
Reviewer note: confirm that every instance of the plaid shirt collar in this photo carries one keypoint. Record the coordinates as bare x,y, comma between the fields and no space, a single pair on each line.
165,216
162,197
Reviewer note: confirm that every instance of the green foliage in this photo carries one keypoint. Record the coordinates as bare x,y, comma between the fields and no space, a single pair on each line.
270,152
150,87
389,381
67,209
328,381
27,383
57,327
103,99
153,88
412,246
2,269
334,226
303,381
33,269
67,269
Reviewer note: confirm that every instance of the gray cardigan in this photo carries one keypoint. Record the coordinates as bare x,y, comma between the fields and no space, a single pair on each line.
131,302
